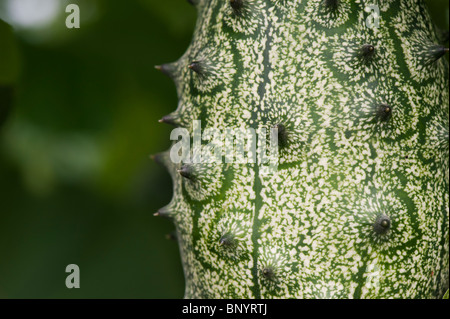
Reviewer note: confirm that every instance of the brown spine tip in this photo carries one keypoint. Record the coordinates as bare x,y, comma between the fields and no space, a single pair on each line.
227,241
437,52
163,212
158,158
268,273
367,50
384,112
169,119
196,67
331,4
237,5
186,171
382,224
166,69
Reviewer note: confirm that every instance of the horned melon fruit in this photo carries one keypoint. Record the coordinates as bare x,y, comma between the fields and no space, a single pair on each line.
358,206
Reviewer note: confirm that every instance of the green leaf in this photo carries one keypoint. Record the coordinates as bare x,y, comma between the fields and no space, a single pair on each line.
445,295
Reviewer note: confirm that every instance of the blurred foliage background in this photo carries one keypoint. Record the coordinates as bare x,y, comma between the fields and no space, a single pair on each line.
78,121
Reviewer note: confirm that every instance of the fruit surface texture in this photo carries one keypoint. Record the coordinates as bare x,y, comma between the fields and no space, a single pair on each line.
359,204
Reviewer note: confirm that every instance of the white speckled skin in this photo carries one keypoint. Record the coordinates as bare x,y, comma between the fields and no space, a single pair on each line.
308,231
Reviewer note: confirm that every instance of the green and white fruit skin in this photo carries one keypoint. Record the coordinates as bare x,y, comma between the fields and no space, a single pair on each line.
359,207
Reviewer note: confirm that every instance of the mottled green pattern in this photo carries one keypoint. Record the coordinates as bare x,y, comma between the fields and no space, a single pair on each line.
367,139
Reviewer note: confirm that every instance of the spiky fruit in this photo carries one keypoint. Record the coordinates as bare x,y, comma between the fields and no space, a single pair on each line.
359,205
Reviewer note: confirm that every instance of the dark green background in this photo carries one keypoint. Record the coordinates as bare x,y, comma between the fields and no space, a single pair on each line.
76,182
